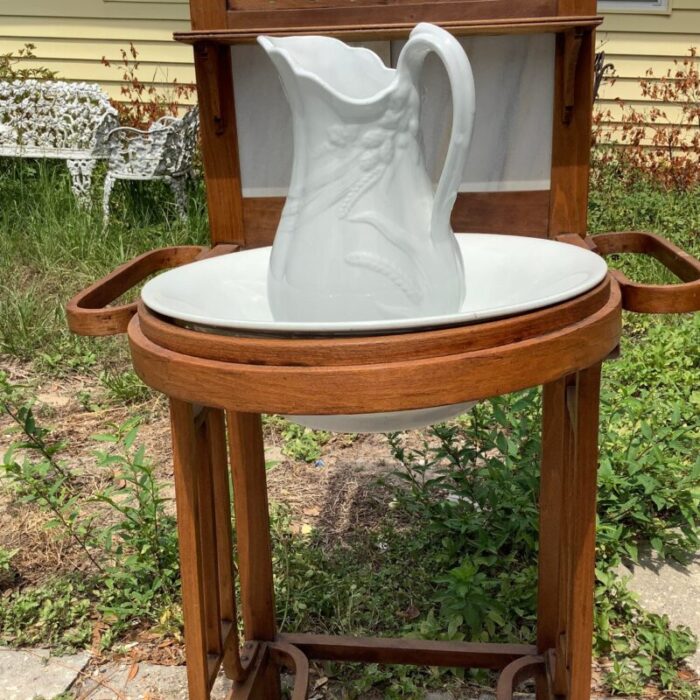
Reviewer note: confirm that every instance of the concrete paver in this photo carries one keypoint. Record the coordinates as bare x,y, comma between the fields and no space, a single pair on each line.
670,589
120,681
34,674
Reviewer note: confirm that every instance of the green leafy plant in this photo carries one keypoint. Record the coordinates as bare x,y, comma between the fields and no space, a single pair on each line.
7,574
140,548
643,648
44,481
298,442
10,66
128,564
474,483
57,613
124,386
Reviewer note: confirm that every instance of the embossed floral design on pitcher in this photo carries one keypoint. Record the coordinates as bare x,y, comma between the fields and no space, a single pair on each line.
363,235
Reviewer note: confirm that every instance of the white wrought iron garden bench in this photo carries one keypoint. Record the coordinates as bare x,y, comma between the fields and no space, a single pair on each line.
56,119
163,152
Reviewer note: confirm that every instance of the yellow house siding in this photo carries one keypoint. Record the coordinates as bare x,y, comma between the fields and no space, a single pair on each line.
636,42
71,36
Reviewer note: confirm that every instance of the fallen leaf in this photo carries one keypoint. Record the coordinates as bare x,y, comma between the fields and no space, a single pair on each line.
411,612
320,682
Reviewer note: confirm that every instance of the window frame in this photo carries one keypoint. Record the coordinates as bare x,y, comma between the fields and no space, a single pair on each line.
635,7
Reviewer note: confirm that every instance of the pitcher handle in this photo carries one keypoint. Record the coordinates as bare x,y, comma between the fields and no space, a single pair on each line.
426,38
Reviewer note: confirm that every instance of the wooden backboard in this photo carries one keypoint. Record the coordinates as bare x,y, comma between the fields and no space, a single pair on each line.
528,168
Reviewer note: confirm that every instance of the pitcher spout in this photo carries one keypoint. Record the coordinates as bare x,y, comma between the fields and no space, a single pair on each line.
351,74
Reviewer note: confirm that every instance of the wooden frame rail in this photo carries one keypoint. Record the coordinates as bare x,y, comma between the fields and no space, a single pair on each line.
363,32
408,651
90,312
519,213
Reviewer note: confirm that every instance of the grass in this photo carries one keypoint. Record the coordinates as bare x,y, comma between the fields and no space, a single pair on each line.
471,569
50,248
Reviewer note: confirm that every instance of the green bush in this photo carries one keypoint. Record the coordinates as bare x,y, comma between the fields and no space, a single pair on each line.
475,486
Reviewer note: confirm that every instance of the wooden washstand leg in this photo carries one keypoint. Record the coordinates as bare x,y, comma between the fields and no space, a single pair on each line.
185,464
582,500
208,535
254,548
567,532
555,473
216,427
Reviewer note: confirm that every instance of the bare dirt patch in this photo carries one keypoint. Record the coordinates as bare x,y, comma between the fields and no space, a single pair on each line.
335,496
42,553
339,494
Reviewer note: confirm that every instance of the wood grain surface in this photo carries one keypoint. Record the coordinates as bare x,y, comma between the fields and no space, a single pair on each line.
654,298
329,351
386,385
89,313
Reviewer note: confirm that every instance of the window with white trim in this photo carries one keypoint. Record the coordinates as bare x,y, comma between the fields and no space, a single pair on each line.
634,5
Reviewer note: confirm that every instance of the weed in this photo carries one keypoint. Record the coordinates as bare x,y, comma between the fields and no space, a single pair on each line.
298,442
124,386
10,71
643,647
57,613
86,401
476,489
140,548
7,574
130,547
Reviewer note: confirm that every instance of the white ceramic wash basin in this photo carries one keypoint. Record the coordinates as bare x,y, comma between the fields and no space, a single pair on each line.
504,275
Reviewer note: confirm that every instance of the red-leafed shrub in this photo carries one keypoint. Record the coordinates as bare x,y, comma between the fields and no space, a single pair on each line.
142,102
651,141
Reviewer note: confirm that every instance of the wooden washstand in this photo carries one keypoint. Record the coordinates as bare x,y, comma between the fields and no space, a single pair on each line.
220,385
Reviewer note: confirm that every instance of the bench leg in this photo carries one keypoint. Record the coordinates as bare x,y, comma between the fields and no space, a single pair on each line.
81,175
179,187
106,194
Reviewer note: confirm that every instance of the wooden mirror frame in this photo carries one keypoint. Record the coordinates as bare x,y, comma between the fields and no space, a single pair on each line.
252,221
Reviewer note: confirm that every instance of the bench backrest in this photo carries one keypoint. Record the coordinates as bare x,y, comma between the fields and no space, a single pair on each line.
54,115
179,152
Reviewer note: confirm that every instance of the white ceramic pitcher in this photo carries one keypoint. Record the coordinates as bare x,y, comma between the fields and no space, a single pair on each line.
363,234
